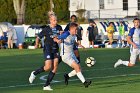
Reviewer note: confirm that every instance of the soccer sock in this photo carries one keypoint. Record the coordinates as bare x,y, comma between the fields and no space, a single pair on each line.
78,58
40,70
125,63
72,73
49,78
81,77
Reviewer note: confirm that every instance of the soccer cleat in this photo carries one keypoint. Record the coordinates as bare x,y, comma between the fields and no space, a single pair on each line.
66,78
47,88
32,77
87,83
119,62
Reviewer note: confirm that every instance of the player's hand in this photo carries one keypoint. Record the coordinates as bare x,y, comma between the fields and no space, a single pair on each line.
59,41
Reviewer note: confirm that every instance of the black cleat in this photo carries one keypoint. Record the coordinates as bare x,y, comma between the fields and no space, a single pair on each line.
87,83
66,78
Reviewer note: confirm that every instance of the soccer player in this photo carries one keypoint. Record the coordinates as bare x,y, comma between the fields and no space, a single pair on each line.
75,48
90,34
67,52
133,38
51,51
110,31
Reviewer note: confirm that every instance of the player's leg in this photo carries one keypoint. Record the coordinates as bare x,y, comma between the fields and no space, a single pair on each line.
128,63
119,41
79,74
90,41
46,67
73,72
123,38
52,72
9,42
72,61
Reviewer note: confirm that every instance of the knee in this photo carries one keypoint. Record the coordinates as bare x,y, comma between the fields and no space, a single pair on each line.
77,69
131,65
76,53
54,69
46,68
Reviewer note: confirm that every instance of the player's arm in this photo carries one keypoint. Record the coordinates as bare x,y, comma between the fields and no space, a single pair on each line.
130,42
39,36
82,31
61,37
129,37
76,43
37,42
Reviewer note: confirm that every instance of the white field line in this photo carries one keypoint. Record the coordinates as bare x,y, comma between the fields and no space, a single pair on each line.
55,81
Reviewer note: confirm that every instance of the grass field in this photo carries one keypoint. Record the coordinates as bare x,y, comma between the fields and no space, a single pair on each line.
16,65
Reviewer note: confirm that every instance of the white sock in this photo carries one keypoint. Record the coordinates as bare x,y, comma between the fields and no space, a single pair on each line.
125,63
81,77
72,73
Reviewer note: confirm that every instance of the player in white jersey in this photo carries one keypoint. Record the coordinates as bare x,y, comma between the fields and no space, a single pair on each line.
133,38
67,52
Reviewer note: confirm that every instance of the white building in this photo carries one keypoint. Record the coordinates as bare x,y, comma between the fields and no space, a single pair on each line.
106,8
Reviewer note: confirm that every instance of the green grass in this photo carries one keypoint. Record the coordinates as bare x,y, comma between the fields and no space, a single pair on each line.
16,66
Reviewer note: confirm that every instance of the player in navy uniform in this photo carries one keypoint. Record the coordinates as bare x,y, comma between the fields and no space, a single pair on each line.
51,51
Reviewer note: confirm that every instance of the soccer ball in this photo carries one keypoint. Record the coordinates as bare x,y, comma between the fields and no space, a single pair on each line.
90,61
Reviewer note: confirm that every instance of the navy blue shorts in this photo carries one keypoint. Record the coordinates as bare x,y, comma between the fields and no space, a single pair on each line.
75,47
51,56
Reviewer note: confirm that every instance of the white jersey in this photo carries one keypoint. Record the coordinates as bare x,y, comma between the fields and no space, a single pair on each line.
67,52
135,34
67,44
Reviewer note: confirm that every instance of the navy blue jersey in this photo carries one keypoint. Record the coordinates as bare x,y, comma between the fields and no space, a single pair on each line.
90,30
49,33
67,27
79,33
91,36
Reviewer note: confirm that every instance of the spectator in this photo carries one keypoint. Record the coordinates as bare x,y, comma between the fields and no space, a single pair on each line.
121,37
90,34
110,31
95,31
79,33
10,35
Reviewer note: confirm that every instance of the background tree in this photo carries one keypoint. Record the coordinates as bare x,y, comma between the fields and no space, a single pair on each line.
19,6
36,11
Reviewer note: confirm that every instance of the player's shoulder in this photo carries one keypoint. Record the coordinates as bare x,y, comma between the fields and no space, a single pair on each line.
58,25
131,32
89,27
132,29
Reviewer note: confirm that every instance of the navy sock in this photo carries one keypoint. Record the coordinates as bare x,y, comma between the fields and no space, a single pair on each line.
40,70
78,59
49,78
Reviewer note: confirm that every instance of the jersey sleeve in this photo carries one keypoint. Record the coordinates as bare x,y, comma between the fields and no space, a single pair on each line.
67,27
64,35
88,28
131,32
81,28
60,28
42,34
